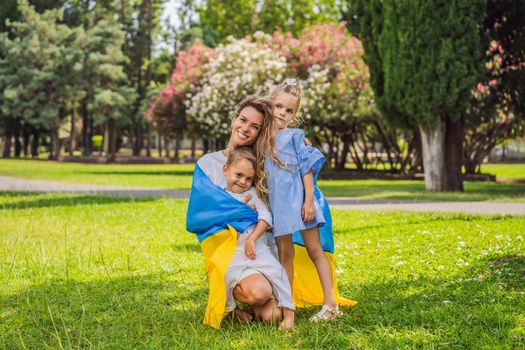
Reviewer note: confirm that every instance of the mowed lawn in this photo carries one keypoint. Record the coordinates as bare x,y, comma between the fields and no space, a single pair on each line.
179,176
115,273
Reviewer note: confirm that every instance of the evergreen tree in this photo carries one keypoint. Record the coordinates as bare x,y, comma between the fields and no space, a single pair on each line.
425,58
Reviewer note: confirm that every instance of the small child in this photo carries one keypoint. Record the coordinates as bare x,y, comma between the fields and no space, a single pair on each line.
239,171
290,166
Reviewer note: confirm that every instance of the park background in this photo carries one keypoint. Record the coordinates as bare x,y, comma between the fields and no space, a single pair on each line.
410,101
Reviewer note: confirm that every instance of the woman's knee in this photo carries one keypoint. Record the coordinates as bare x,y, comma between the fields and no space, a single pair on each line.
253,291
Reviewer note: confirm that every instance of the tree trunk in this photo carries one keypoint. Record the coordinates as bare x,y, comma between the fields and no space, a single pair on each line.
26,136
159,143
344,153
85,126
205,146
177,147
7,144
454,135
193,148
18,144
137,142
35,143
432,142
104,145
112,140
72,133
54,147
167,150
148,141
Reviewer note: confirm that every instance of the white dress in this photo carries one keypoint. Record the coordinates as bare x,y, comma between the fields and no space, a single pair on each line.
266,262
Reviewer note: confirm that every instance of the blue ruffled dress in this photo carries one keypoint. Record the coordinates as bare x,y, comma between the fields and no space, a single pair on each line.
286,184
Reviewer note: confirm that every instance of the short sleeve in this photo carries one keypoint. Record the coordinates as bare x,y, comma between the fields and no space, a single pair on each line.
310,158
263,213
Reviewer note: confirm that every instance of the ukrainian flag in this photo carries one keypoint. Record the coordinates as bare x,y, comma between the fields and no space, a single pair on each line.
216,217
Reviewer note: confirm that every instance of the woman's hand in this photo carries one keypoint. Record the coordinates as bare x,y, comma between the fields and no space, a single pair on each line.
308,210
249,248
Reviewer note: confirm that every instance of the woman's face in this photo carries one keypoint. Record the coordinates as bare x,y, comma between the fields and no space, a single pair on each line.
246,127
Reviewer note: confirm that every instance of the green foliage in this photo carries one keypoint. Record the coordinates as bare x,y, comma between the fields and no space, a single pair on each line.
424,57
244,17
97,142
114,273
35,70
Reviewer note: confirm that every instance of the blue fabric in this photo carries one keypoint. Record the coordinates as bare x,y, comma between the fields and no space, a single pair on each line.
287,190
326,235
211,209
309,158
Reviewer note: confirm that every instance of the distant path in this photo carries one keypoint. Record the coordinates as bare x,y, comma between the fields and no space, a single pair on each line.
13,184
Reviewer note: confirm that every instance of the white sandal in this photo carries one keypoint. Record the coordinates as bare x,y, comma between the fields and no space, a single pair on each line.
322,314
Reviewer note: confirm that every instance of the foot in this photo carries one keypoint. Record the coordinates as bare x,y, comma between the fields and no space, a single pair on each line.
287,323
326,313
242,316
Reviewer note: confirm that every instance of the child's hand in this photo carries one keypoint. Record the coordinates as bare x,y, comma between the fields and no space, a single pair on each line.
247,199
249,248
308,211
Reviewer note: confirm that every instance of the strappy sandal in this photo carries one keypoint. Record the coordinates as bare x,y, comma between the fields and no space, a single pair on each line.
325,314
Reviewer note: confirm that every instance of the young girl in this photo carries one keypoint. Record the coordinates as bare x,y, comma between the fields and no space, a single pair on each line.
239,172
290,167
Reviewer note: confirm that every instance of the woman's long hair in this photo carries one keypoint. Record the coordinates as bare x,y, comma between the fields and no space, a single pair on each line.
264,144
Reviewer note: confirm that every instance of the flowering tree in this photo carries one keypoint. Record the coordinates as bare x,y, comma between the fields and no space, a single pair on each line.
490,118
168,107
239,68
337,96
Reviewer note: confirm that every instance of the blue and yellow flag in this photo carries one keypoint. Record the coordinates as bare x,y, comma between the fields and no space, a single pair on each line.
216,217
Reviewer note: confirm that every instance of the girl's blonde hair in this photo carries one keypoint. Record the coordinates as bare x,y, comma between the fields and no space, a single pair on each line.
290,86
265,144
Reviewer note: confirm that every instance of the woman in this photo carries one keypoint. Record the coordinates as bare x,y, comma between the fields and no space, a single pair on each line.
252,115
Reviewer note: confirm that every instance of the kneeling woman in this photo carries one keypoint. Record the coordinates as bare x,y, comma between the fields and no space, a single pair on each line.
218,233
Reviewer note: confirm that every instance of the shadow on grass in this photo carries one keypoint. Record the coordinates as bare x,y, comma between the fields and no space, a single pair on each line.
471,310
148,173
132,312
187,247
415,190
42,200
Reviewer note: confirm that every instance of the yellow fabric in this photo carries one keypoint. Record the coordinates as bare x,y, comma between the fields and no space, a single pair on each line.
307,288
218,251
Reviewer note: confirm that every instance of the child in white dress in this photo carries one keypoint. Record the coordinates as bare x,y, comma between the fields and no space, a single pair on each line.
253,253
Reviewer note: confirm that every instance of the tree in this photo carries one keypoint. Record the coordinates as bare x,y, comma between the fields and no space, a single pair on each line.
36,72
246,17
240,68
425,58
337,95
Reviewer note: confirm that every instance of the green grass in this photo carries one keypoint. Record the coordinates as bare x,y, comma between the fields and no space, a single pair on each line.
176,176
505,171
415,190
134,175
117,273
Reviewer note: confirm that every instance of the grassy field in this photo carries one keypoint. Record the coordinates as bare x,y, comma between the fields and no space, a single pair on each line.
179,177
115,273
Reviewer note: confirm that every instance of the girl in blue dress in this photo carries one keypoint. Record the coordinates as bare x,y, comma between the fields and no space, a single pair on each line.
290,166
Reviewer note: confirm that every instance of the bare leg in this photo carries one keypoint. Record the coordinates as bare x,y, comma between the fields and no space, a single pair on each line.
316,253
286,255
256,291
